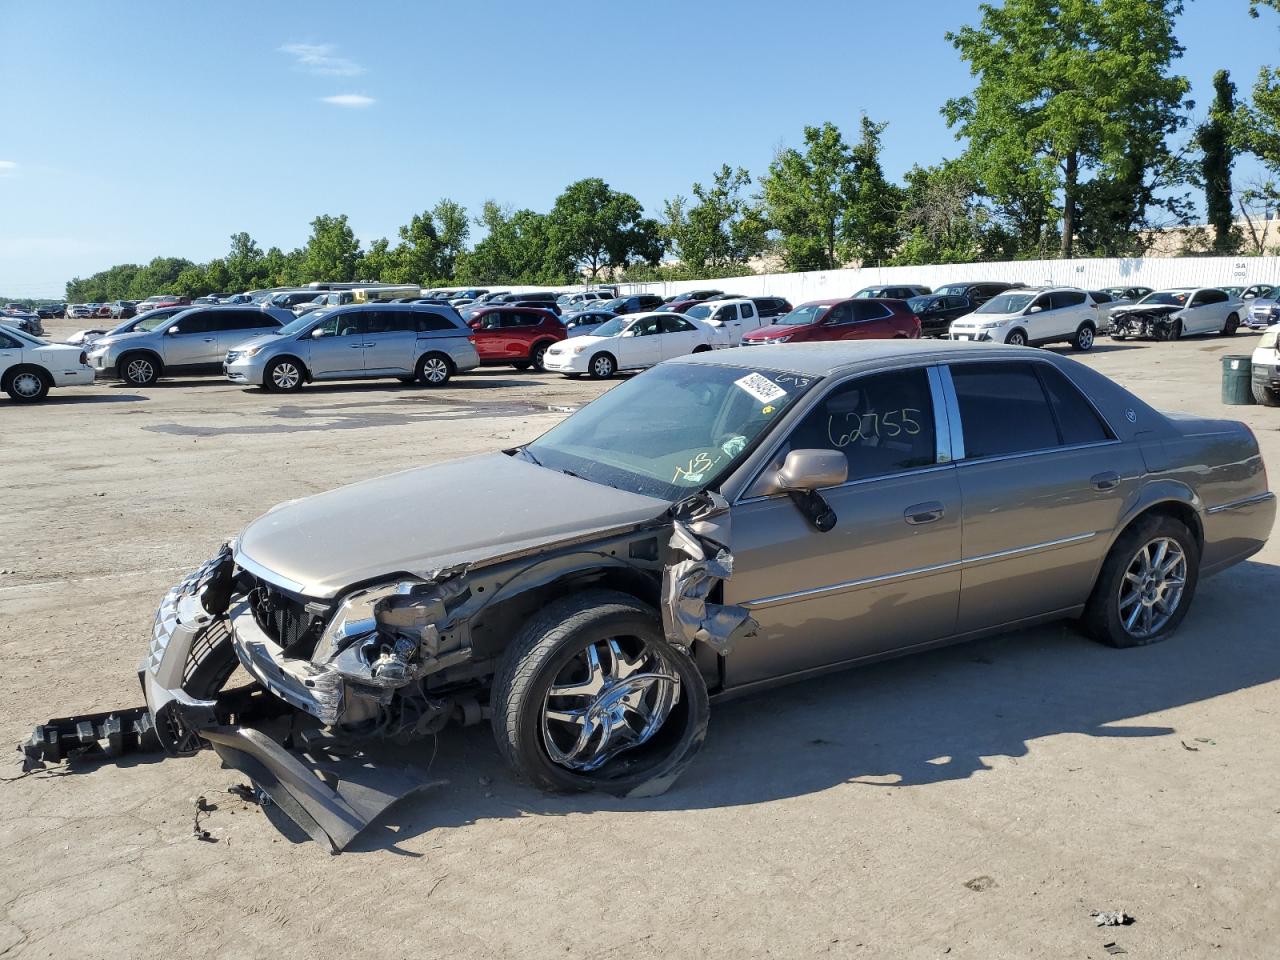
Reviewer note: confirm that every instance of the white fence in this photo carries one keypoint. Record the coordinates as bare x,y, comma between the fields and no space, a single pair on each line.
1156,272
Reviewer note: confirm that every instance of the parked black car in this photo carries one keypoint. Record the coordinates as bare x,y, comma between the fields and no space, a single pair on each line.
936,312
977,293
770,307
692,295
900,291
637,303
51,311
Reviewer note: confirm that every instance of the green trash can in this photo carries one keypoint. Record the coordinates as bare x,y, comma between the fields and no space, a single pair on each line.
1236,373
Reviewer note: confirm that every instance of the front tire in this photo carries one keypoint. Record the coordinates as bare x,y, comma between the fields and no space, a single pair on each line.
590,696
139,370
1265,395
1016,338
27,385
1146,585
539,357
1084,338
284,375
602,366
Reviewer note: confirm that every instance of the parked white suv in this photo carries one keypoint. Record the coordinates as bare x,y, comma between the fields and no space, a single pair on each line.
735,317
1032,317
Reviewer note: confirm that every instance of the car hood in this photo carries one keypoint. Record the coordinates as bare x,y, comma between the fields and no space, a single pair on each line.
1148,308
260,340
121,338
428,519
775,330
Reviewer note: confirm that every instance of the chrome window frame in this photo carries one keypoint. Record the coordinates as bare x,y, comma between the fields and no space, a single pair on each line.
944,433
953,413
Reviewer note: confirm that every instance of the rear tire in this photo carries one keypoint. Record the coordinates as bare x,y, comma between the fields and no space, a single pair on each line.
1265,395
27,385
1116,613
597,640
520,364
434,370
1231,326
1084,338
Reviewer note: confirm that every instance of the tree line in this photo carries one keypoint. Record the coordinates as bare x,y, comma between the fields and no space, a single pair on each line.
1067,151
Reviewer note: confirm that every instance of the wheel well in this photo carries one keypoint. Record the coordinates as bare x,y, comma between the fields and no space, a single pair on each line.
1017,330
1088,323
701,348
537,344
13,371
496,625
306,372
442,355
149,354
1184,513
605,353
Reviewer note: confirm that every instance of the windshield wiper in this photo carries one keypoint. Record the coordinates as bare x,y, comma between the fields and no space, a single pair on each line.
524,451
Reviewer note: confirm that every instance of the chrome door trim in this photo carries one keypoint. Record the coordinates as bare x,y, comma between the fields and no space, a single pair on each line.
1041,452
1242,502
941,416
848,585
952,412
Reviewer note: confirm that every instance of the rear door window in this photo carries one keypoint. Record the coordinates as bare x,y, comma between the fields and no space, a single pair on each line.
1066,298
869,310
1078,421
1003,409
432,323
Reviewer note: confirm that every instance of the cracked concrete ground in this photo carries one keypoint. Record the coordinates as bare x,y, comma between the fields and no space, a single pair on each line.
840,817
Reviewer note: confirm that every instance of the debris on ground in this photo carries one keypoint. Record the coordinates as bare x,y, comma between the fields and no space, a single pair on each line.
1111,918
979,884
1114,948
1186,747
197,831
250,793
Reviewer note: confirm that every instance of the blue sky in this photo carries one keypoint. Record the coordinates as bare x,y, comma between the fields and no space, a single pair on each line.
134,129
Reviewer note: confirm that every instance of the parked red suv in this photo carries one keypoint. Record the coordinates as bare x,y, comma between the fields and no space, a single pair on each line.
839,320
518,336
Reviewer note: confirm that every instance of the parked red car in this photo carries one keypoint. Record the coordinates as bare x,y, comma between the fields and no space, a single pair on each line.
518,336
840,320
676,306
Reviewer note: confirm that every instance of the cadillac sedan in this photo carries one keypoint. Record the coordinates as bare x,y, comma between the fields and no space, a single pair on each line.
722,523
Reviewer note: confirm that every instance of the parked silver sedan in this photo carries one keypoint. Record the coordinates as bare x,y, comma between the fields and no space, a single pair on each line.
722,523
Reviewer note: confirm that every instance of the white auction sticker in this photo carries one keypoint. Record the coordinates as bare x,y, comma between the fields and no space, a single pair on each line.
762,388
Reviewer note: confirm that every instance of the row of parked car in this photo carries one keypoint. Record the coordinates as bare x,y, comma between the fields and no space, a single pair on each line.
265,341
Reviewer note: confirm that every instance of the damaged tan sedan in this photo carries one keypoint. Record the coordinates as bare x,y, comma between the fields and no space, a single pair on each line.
718,524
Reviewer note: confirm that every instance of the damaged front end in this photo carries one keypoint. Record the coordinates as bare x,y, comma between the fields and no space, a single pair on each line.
340,684
1151,323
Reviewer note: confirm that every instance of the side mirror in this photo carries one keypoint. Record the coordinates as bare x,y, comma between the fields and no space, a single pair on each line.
807,470
1034,309
318,332
473,324
173,330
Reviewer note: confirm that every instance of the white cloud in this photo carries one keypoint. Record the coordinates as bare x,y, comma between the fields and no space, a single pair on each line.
318,58
7,167
349,100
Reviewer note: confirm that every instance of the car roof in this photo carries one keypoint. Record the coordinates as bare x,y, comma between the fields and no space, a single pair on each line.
826,358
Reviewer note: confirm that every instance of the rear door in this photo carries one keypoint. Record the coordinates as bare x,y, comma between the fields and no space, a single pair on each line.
1043,481
678,336
1209,312
234,327
337,346
1070,309
871,321
887,575
390,342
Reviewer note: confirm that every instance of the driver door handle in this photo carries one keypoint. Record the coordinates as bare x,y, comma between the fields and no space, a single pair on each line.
210,339
919,513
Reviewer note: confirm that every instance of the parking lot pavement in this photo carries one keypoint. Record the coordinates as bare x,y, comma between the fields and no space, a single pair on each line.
978,801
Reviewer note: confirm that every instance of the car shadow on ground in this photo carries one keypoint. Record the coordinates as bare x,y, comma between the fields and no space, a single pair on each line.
60,399
932,717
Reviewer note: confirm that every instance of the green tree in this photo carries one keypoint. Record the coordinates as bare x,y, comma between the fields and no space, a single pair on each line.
516,249
1217,157
722,227
1064,88
941,219
246,265
332,251
376,263
416,259
596,227
806,196
453,228
870,228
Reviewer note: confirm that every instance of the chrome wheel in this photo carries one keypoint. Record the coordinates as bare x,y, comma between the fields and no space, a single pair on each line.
1017,339
1084,339
27,385
606,700
435,370
285,375
601,367
1152,587
140,371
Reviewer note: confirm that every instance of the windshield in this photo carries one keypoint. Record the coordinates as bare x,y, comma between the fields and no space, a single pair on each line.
612,327
916,304
616,304
151,321
671,431
700,312
1007,303
301,324
1173,298
867,293
808,313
